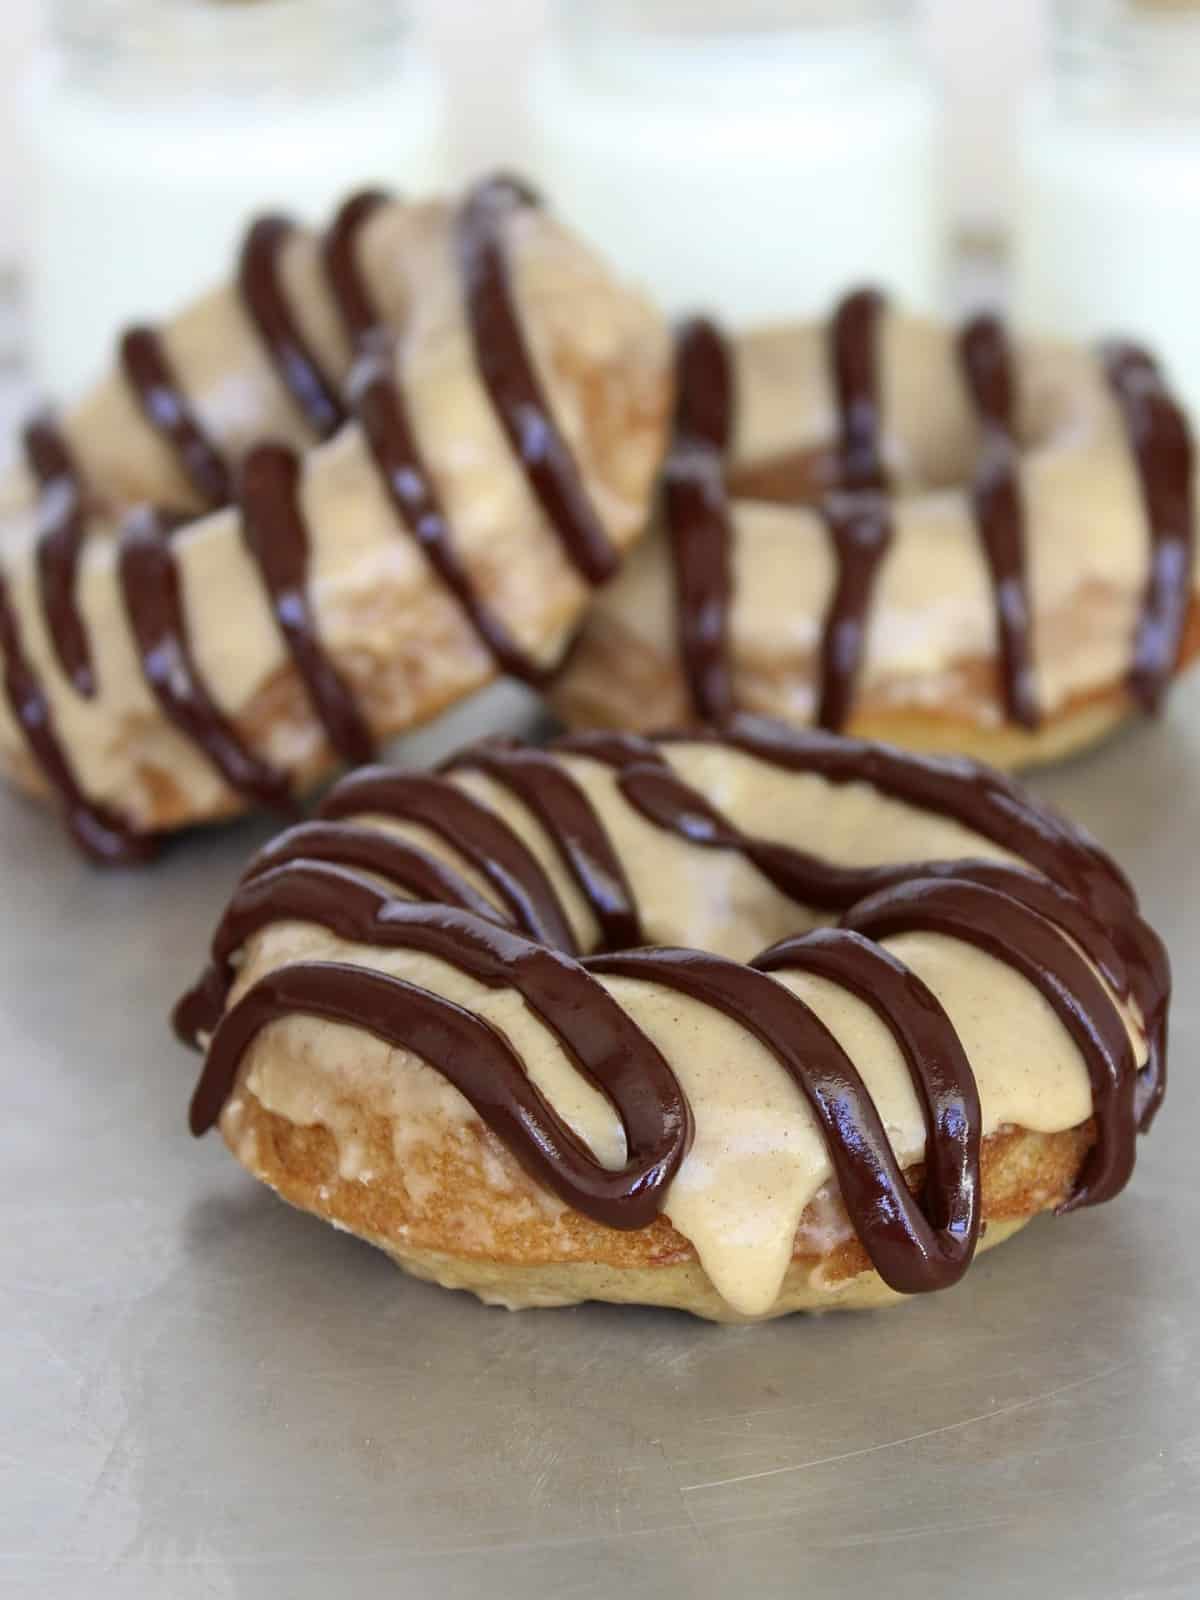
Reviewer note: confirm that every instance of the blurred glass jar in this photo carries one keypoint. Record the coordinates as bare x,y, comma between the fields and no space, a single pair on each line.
157,127
1108,226
752,157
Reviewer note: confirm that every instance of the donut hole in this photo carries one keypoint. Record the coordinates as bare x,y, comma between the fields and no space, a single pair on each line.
930,440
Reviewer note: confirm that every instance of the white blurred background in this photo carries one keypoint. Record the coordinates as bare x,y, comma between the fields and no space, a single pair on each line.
984,52
752,157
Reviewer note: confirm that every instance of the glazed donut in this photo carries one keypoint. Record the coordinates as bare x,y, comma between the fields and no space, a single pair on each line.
598,1022
242,559
995,557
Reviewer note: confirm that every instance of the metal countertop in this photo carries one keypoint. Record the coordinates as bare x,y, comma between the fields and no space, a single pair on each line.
204,1393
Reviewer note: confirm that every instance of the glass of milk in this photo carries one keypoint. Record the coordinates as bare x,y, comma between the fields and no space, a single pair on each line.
158,127
1108,229
752,157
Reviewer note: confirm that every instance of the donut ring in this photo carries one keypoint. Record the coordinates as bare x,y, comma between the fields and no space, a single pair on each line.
508,1022
334,552
1027,581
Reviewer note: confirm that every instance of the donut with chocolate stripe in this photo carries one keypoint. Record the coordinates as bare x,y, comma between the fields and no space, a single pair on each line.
881,525
384,464
744,1022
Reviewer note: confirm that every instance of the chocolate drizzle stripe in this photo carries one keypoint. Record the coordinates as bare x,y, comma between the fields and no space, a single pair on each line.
913,1253
602,1042
403,864
149,577
60,539
150,376
700,539
276,535
562,807
696,509
507,370
339,256
99,832
1003,928
860,527
955,788
476,834
1161,442
854,361
705,386
943,1236
472,1056
261,288
379,406
987,364
980,799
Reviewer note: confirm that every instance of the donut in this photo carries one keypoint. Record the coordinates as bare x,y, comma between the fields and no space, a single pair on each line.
743,1022
327,500
888,527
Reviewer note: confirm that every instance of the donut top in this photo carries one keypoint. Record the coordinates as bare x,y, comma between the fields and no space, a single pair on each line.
852,486
265,486
987,965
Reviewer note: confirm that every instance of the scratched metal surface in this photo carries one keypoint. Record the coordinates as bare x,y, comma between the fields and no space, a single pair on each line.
204,1393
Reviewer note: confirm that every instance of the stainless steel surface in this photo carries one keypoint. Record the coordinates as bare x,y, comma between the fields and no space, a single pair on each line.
205,1393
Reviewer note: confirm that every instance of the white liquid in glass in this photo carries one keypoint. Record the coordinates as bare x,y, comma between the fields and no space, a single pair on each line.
1108,235
751,159
159,127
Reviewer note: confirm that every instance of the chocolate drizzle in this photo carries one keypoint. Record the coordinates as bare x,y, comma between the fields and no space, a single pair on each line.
698,528
1065,897
339,255
854,357
1010,932
999,513
696,507
481,837
262,292
1161,441
603,1043
860,526
507,370
930,1247
1094,903
148,372
700,532
562,807
60,539
273,522
699,525
911,1252
149,579
99,833
276,535
379,407
705,393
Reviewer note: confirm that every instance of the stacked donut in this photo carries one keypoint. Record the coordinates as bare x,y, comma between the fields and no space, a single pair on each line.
887,527
248,555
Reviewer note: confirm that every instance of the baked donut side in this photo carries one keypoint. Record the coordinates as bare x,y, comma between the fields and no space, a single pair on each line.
479,473
893,528
597,1021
